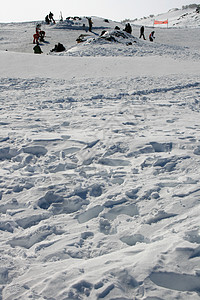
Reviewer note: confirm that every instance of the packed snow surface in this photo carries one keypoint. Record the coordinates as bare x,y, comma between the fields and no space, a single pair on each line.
99,163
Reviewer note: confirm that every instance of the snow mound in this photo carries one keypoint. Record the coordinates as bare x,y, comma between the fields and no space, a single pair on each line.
121,43
117,36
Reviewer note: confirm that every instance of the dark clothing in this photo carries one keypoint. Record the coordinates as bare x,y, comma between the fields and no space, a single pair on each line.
151,36
142,32
51,17
37,49
90,24
47,19
42,35
58,48
128,28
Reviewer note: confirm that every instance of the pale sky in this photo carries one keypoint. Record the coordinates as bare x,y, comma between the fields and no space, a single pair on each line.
116,10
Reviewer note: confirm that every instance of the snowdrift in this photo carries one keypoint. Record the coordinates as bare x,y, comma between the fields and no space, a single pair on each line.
120,43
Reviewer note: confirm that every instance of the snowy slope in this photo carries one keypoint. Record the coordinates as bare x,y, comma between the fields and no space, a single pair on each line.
99,166
181,18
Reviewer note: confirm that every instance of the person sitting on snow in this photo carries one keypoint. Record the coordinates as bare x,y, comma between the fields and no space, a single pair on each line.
47,19
151,36
58,48
37,49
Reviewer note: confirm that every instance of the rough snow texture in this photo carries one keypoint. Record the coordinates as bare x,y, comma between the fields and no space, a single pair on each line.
99,168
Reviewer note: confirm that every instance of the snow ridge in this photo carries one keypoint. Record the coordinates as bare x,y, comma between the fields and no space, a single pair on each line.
187,17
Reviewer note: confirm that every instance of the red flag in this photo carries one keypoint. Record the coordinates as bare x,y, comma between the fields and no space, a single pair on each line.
161,22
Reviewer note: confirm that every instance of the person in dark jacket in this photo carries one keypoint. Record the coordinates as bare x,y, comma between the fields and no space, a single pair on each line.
42,35
142,32
51,17
37,49
47,19
128,28
58,48
90,24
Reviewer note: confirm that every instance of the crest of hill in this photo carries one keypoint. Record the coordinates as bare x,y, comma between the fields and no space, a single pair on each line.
185,17
79,23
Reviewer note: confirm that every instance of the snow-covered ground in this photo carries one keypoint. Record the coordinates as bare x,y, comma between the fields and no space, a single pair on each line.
99,164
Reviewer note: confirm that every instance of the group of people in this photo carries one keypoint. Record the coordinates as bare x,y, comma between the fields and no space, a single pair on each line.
49,18
38,36
128,29
151,35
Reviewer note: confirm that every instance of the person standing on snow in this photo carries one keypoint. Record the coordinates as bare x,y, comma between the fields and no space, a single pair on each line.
51,17
142,32
128,28
37,34
38,28
90,24
151,36
36,37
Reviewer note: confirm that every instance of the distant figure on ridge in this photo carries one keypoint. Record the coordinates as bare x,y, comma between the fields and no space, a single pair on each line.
142,32
128,28
151,36
47,19
90,23
61,17
51,17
